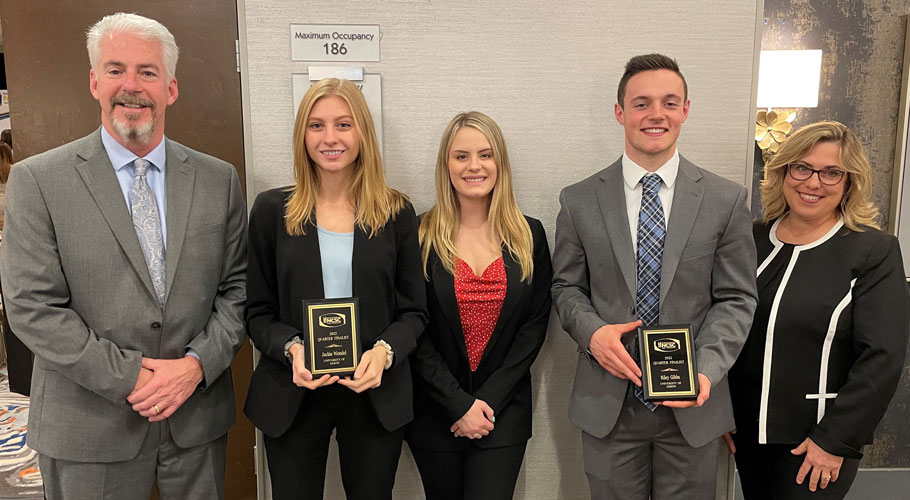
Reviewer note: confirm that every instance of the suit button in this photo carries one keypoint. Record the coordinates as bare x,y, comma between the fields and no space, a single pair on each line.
156,326
632,310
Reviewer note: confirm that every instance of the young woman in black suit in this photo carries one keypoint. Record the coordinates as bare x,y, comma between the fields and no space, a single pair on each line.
488,278
340,231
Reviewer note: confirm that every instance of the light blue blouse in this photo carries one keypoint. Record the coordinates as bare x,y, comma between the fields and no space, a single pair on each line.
336,251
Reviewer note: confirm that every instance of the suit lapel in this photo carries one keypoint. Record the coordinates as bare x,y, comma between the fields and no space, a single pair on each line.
513,293
179,180
687,196
101,181
444,285
612,200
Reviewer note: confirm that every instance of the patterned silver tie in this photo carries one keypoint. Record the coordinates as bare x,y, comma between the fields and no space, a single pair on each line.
147,222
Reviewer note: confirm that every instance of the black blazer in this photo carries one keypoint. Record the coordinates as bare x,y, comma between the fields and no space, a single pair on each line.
445,388
839,316
284,270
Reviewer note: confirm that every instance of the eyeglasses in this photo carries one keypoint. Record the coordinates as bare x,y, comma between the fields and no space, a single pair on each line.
827,176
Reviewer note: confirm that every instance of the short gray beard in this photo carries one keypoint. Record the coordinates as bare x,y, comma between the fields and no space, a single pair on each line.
140,134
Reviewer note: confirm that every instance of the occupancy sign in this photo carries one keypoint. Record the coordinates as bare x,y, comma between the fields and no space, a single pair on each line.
335,42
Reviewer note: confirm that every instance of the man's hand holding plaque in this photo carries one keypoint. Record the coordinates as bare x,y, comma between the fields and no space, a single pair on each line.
607,348
704,392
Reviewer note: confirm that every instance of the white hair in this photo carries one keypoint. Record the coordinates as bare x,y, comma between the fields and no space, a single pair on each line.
134,24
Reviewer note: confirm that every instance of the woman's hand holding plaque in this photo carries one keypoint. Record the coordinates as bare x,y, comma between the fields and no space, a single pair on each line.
369,371
302,376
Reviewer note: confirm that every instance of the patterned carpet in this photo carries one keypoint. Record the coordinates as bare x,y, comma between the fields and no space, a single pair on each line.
19,476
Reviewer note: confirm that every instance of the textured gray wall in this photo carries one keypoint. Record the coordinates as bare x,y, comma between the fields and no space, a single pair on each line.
547,72
863,51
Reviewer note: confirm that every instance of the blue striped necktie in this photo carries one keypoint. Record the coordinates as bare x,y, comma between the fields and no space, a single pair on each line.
651,234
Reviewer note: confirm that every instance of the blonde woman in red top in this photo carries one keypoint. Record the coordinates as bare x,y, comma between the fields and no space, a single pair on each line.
488,276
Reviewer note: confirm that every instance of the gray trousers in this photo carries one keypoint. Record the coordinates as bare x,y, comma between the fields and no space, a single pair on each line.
181,473
645,456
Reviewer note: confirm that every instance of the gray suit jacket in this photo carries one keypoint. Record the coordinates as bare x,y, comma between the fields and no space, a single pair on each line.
79,295
707,279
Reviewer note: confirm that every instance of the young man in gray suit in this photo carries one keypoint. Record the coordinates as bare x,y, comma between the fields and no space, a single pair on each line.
123,266
654,240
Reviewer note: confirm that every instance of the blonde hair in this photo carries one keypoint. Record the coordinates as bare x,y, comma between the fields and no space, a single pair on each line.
375,202
440,224
855,206
6,162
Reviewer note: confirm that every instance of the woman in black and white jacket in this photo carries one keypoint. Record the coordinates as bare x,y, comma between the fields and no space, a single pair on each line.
827,344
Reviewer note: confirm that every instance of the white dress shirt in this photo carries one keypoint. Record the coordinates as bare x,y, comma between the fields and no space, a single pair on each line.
632,174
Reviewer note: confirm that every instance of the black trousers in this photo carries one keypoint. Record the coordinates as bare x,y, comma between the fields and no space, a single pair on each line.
768,471
368,452
475,474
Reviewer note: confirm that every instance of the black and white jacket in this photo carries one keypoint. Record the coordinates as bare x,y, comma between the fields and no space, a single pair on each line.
827,346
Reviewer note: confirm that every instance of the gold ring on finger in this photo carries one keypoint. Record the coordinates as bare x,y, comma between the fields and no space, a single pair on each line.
157,410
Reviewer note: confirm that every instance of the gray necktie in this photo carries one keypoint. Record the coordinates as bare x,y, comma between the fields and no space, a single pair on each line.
147,222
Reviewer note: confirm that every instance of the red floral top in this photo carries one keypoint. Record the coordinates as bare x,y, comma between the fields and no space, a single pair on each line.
479,300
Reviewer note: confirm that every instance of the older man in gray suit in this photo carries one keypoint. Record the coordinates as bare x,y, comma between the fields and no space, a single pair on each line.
654,240
123,266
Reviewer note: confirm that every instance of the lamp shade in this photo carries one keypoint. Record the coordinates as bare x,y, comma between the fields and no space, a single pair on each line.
789,78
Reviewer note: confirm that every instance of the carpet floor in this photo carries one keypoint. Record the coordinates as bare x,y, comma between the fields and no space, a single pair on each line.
19,475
